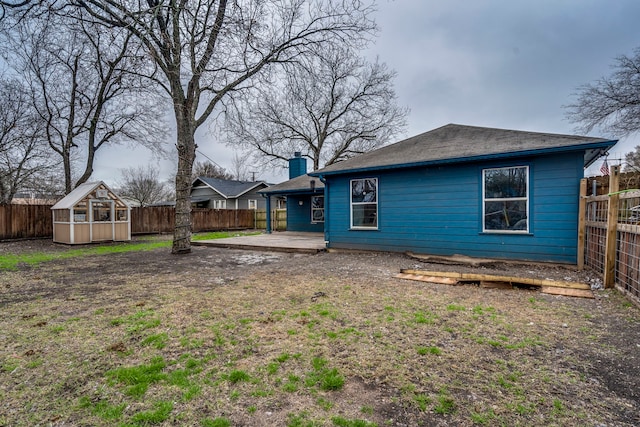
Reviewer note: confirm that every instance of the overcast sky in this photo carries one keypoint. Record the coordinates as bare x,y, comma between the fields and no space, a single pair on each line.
509,64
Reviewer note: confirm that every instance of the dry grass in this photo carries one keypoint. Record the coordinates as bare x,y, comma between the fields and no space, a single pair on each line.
224,337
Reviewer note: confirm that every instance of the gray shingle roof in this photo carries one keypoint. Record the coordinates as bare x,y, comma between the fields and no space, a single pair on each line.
229,188
295,185
458,143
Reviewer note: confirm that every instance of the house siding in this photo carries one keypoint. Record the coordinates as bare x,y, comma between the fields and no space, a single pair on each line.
243,201
299,217
438,210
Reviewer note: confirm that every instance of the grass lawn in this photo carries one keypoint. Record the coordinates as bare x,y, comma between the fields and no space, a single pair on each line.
134,336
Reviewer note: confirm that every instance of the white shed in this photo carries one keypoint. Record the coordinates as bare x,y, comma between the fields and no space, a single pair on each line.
91,213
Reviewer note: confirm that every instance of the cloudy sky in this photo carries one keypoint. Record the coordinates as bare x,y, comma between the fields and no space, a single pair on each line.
509,64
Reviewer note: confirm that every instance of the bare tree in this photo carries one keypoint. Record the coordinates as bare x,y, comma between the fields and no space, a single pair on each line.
206,50
239,166
612,103
209,170
23,154
143,185
331,106
85,91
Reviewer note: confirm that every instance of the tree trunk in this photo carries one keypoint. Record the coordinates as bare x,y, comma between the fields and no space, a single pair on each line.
186,155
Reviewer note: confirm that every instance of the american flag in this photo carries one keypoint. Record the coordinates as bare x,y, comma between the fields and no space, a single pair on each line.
604,169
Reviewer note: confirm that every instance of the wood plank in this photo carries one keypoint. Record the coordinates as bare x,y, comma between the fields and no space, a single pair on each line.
430,279
489,277
583,293
582,209
490,284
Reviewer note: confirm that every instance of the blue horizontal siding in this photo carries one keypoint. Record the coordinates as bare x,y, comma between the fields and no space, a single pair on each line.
299,216
439,211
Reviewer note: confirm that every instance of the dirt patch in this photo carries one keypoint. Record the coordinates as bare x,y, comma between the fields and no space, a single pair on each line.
409,353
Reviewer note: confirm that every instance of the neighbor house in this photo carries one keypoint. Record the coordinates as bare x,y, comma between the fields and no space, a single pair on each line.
217,193
457,189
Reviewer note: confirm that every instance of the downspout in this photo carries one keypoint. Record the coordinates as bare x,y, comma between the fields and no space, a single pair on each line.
326,210
268,200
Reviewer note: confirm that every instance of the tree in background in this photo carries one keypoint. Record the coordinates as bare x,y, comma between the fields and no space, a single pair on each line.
329,106
209,170
611,104
204,51
24,160
84,89
143,186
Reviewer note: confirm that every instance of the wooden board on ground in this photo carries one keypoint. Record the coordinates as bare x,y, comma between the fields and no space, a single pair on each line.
489,284
582,293
492,278
430,279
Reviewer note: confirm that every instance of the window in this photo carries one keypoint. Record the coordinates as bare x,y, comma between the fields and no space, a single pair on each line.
219,204
253,204
101,211
317,208
506,199
364,203
121,214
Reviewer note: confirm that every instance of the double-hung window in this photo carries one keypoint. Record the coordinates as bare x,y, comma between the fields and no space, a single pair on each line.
317,208
219,204
364,203
505,194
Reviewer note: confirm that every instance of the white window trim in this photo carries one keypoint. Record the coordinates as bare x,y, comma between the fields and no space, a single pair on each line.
219,204
506,199
253,202
317,209
351,204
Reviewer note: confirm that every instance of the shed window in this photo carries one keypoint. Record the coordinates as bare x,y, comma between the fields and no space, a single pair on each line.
80,212
121,214
506,199
317,208
364,203
101,211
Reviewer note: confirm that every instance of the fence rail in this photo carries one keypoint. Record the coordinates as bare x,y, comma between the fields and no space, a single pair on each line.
33,221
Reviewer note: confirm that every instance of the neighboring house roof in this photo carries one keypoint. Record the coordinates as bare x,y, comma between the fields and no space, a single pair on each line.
300,184
458,143
80,192
227,188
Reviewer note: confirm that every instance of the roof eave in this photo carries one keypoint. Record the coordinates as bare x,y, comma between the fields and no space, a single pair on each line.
599,146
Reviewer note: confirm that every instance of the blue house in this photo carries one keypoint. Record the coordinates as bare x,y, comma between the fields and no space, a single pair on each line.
466,190
305,198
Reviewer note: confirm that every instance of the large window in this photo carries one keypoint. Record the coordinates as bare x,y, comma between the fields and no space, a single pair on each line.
317,208
364,203
506,199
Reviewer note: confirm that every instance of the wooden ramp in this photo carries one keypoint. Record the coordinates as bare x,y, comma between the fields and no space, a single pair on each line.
555,287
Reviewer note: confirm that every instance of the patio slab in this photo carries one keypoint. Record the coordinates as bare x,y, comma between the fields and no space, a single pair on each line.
282,241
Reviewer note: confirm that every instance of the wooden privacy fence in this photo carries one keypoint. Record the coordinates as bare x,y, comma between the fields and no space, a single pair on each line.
31,221
24,221
161,219
609,237
278,219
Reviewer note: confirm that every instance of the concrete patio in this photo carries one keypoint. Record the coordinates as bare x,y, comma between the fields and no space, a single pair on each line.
282,241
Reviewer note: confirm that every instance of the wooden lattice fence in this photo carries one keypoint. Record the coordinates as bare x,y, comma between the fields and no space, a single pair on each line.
609,238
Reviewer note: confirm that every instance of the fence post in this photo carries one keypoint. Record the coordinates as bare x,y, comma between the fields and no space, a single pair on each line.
582,208
612,229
